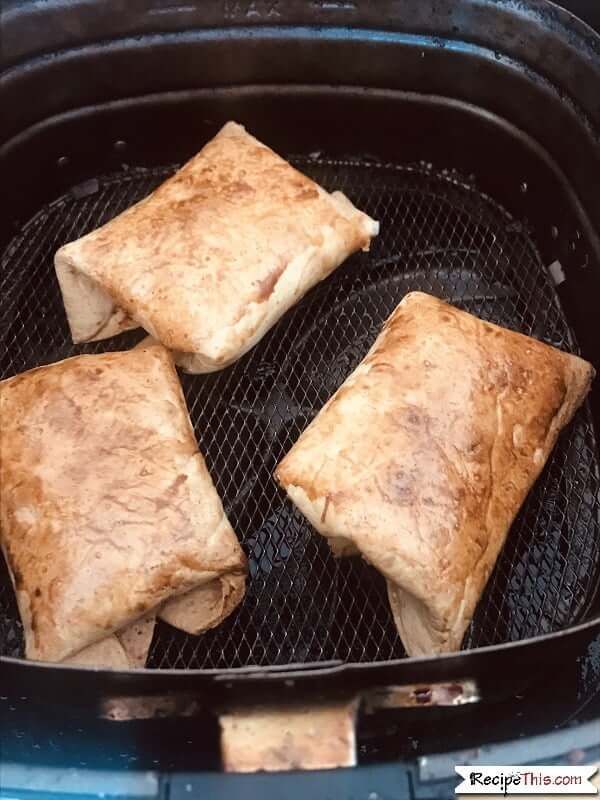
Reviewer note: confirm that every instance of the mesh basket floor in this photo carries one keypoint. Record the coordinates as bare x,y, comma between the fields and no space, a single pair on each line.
439,235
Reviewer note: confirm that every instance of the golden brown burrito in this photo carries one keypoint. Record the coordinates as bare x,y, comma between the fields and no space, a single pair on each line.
213,257
421,460
107,510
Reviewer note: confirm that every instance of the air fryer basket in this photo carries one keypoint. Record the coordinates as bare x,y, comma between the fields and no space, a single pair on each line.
439,235
476,199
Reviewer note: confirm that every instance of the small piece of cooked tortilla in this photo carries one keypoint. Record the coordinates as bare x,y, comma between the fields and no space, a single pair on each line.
206,606
107,653
136,639
126,649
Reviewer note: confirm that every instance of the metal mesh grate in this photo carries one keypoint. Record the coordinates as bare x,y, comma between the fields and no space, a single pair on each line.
439,235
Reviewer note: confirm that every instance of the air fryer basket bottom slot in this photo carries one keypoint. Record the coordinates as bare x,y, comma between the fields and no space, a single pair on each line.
439,234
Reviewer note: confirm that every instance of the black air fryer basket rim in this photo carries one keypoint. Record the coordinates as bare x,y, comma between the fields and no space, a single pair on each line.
32,30
572,34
